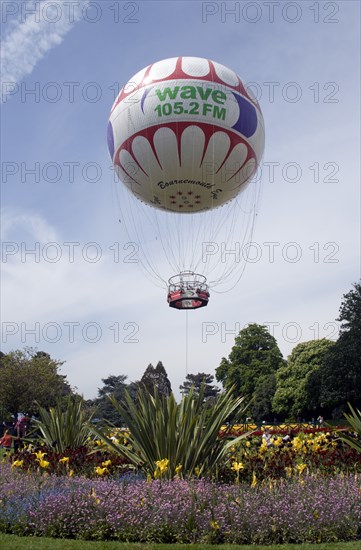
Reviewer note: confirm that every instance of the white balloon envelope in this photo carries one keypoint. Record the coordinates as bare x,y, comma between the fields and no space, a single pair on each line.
184,135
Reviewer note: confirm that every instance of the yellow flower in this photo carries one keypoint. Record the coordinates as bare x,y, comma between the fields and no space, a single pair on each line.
248,444
297,443
178,468
272,484
254,480
278,441
44,463
17,463
197,471
300,468
263,448
71,473
106,463
237,466
93,495
39,455
100,471
162,465
64,459
214,525
288,471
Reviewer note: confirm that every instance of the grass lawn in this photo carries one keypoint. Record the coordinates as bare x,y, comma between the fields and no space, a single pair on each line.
12,542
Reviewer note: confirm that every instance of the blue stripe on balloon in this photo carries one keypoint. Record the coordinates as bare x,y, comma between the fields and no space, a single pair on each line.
110,137
247,121
143,98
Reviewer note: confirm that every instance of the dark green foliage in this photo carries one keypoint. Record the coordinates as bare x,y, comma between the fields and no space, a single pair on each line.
262,404
299,381
156,378
341,376
29,378
354,419
196,381
254,358
63,429
114,386
184,435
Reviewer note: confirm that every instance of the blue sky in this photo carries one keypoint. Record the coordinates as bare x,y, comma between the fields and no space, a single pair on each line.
61,69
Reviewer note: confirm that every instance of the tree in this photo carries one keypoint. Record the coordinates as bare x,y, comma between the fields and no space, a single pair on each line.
298,383
29,379
262,401
341,376
114,386
156,378
196,381
254,358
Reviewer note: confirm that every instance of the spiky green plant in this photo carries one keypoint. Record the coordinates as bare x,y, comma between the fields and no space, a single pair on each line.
187,435
63,429
354,419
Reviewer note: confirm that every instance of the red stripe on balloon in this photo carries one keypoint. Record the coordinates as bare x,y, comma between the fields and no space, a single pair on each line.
178,128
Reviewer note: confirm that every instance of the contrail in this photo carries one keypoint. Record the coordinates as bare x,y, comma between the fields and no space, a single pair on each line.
40,26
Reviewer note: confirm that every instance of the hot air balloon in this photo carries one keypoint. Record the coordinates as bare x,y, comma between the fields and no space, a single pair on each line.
186,137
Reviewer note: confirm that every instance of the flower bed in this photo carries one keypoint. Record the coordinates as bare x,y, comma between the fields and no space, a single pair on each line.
80,461
299,509
277,429
320,453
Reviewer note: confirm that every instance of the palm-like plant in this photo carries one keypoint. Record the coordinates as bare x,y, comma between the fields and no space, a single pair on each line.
66,429
187,435
354,419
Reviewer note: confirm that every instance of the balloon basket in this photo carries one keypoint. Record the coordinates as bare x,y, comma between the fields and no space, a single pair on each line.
188,290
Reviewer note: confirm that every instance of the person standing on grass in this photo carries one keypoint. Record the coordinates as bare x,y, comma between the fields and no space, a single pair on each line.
6,441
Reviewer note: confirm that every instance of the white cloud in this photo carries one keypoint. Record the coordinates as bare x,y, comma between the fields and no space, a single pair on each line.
28,223
45,278
33,35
